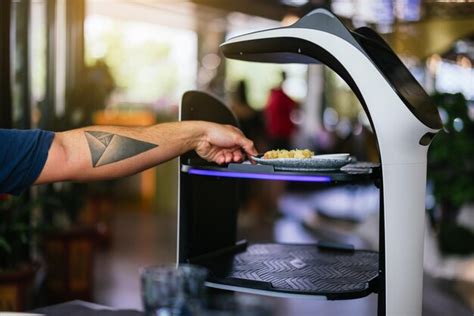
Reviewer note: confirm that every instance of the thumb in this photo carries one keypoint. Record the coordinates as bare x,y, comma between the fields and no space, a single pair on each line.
247,146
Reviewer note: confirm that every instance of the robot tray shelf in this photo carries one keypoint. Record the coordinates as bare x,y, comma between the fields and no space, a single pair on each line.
284,270
353,172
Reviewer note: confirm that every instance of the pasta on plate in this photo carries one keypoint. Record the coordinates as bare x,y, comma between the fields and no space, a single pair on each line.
283,153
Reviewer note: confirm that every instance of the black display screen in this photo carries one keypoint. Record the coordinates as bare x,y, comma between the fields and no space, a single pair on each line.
403,82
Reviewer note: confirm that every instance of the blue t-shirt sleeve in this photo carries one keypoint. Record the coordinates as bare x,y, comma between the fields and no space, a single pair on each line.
23,154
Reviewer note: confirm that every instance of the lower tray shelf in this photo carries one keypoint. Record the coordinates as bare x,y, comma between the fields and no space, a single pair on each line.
291,269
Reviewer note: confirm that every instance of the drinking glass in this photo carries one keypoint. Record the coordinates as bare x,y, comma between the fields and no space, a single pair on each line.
173,291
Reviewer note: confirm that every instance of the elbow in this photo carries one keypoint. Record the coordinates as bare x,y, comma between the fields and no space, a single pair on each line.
66,164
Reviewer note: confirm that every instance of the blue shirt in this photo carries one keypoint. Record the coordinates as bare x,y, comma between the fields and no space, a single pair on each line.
23,154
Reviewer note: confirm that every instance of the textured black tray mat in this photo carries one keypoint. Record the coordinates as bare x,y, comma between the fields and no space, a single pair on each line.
302,269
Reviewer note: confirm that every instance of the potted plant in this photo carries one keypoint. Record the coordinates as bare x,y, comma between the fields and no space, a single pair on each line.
17,271
68,245
452,171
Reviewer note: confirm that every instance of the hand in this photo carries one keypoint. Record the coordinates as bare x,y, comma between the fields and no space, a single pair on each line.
224,144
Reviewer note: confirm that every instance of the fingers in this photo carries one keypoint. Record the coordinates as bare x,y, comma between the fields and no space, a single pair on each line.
228,156
248,146
237,156
220,159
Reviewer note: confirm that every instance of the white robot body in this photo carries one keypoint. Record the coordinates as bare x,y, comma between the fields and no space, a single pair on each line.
403,157
403,120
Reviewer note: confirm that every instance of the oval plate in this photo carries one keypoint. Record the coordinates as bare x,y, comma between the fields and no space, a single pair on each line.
315,163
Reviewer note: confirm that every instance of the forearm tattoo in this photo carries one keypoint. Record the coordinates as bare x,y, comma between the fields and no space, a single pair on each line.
107,148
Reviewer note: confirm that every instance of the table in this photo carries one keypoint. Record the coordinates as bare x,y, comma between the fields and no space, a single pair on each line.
81,308
439,299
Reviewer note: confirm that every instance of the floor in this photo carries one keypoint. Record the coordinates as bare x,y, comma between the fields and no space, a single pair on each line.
142,238
139,239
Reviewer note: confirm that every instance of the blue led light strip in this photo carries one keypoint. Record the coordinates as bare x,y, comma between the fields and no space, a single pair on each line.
259,176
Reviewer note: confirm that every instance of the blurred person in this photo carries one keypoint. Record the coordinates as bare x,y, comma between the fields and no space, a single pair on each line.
278,110
89,96
104,152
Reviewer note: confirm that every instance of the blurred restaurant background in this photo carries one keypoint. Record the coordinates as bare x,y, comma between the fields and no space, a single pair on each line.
71,63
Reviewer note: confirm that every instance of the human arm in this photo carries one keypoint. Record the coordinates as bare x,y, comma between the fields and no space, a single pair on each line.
105,152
